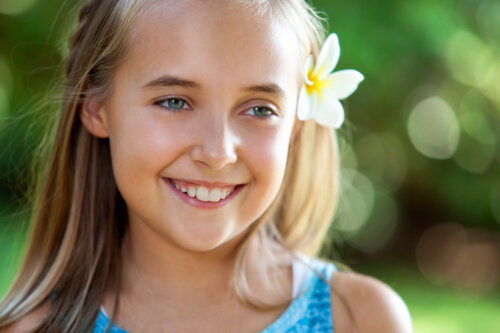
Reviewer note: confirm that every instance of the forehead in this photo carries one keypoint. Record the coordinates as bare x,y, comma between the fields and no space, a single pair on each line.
219,41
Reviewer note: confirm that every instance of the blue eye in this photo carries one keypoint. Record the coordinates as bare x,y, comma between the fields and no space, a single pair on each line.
173,103
262,112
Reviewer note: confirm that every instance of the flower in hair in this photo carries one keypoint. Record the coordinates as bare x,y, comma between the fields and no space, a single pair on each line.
322,89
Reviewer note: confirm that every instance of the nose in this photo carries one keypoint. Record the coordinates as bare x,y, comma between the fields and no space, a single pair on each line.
217,145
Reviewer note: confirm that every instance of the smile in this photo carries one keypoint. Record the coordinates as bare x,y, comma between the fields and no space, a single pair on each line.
203,194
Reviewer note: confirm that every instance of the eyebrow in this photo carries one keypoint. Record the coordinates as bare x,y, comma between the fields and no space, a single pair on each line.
268,88
169,81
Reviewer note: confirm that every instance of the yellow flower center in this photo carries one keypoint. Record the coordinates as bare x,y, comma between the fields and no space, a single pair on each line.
318,85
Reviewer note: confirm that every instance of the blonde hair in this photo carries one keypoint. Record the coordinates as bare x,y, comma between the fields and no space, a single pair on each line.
79,217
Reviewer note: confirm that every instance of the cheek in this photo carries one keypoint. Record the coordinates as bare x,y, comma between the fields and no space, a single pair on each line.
266,162
267,158
143,146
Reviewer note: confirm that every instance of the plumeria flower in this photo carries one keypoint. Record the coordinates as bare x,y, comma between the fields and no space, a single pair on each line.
322,89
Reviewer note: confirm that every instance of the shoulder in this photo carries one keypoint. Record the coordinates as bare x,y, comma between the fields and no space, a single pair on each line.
370,303
29,322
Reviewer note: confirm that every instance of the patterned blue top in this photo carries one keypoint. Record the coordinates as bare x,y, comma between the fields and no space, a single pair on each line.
309,312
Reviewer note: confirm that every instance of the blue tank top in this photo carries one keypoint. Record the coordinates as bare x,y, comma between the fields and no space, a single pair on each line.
309,312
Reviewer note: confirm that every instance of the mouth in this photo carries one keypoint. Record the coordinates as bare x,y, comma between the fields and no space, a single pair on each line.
203,193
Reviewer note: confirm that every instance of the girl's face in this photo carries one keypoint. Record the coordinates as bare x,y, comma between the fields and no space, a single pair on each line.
204,103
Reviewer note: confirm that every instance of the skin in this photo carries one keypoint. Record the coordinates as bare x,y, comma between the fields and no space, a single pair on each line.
215,137
178,257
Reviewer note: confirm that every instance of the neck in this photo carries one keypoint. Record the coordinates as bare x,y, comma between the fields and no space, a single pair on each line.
156,272
158,268
166,284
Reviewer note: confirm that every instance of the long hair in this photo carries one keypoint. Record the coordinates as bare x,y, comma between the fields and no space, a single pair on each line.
79,217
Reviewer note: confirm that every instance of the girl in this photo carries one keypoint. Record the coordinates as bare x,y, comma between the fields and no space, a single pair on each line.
192,178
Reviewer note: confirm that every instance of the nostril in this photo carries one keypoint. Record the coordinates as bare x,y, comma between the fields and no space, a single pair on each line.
213,155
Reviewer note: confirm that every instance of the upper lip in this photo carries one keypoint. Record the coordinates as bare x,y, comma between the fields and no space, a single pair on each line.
205,183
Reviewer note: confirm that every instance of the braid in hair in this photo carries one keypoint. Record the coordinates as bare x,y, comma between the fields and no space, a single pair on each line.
76,39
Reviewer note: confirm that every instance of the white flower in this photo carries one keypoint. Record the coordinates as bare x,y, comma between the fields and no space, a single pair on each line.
321,92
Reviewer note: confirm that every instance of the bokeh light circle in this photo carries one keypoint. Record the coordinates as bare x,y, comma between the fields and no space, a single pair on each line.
441,252
16,7
380,227
433,128
356,201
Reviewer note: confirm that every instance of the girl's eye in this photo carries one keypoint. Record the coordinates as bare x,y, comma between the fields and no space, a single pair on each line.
261,112
173,104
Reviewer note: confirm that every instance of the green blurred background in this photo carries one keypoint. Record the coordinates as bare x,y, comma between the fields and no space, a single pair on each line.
420,200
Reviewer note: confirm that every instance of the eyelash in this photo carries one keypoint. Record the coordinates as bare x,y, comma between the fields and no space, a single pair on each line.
163,103
270,112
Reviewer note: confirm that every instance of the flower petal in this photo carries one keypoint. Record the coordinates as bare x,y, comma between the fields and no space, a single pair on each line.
344,83
306,104
328,56
329,111
307,67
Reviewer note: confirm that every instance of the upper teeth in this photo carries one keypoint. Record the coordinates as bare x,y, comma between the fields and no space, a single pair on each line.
204,194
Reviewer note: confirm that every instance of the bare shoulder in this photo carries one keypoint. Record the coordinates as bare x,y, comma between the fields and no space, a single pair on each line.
29,322
370,303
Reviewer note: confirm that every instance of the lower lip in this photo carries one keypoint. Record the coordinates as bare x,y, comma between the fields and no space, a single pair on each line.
202,204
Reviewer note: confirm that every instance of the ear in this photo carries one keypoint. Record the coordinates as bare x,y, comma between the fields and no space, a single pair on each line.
94,118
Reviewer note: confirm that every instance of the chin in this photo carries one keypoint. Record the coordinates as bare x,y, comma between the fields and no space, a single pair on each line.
198,242
209,241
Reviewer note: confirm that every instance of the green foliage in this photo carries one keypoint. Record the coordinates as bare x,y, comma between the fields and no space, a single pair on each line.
11,248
